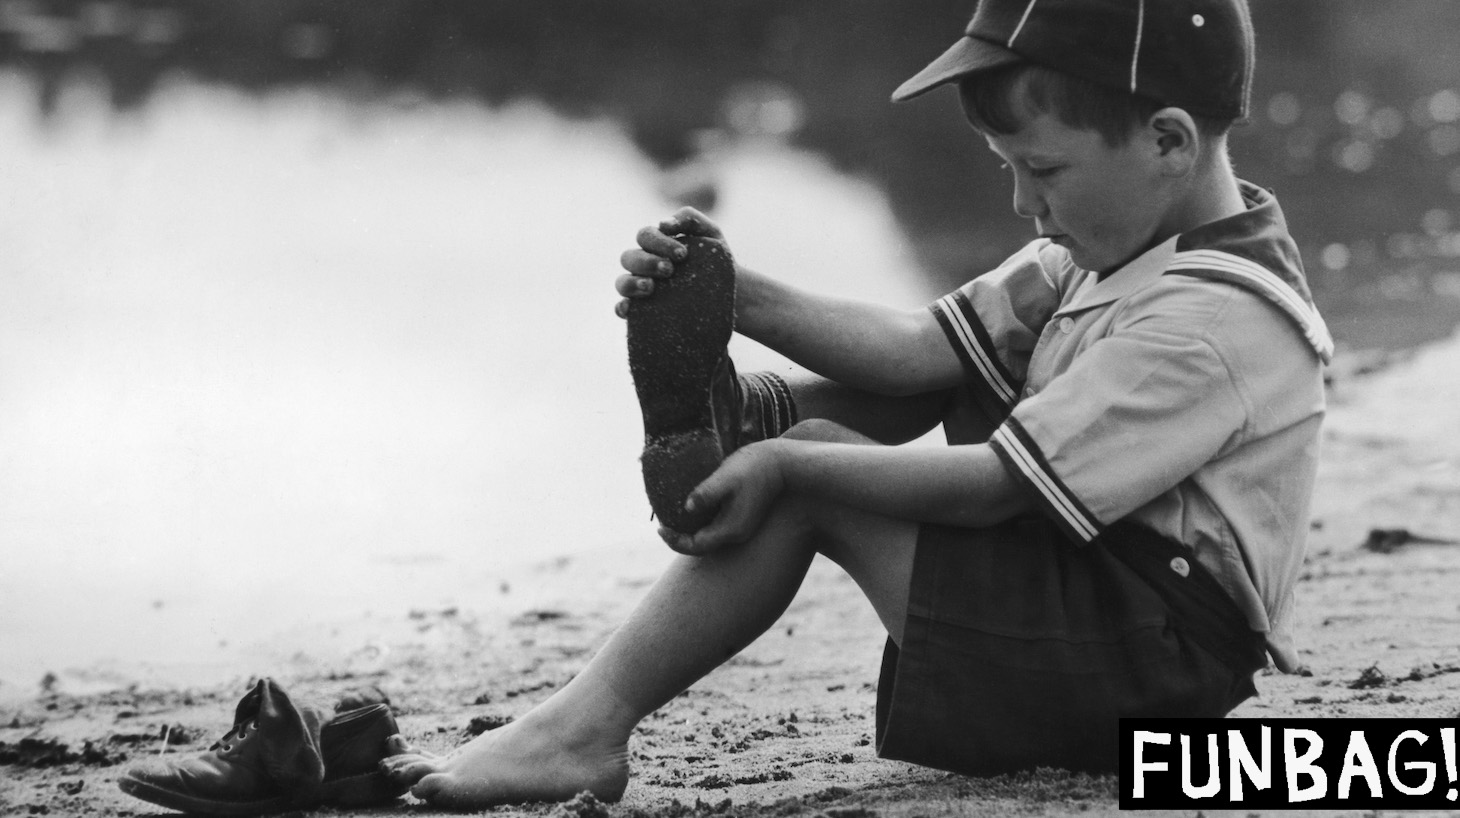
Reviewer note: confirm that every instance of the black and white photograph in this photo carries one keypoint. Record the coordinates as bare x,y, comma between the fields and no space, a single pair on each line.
673,410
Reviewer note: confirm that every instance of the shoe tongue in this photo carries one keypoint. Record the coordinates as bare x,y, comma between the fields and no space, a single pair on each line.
292,737
289,735
248,707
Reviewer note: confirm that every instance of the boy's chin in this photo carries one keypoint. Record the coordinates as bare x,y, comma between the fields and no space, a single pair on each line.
1085,260
1101,262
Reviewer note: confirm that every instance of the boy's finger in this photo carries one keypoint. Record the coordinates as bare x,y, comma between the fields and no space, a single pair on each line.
646,264
632,286
657,242
690,545
690,221
725,530
730,526
709,494
673,539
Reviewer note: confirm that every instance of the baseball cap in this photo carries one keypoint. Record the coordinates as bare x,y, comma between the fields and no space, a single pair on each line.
1194,54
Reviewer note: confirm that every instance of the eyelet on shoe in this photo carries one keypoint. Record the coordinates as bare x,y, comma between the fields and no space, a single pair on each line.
227,748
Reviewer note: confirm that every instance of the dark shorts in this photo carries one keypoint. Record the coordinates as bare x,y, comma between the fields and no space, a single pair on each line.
1022,650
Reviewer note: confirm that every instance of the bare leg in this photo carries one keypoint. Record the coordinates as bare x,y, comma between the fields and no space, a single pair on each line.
700,613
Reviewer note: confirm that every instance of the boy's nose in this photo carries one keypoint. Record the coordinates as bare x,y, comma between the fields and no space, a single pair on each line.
1027,203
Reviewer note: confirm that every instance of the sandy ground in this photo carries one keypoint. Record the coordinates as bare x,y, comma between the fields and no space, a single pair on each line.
785,728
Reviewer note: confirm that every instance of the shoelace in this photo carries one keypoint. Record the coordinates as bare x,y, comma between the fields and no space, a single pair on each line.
240,732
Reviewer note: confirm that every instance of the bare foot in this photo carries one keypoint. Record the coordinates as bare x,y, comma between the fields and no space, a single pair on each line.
514,764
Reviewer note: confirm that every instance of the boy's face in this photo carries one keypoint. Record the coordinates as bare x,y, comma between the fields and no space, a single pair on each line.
1104,204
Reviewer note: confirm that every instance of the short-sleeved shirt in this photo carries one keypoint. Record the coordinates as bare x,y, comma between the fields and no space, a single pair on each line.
1183,391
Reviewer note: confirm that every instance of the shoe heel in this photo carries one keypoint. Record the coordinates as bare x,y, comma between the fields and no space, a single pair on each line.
673,466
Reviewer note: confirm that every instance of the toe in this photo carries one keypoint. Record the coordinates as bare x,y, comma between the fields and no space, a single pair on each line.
433,788
407,769
449,792
396,760
406,756
397,745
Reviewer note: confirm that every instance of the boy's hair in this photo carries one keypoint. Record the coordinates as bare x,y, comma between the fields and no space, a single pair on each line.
999,102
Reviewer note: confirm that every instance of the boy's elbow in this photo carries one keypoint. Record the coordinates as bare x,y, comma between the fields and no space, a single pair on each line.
908,378
982,516
895,385
907,356
917,373
999,499
926,363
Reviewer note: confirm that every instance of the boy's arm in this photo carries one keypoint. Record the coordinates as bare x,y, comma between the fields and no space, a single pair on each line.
954,485
866,346
889,420
951,485
870,347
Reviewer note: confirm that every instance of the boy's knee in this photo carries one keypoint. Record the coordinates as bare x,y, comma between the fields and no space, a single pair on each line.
824,431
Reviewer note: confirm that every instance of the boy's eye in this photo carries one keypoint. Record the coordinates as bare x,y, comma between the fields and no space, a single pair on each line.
1044,173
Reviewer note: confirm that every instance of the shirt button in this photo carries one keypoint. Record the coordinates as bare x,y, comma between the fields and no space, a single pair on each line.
1180,566
1067,325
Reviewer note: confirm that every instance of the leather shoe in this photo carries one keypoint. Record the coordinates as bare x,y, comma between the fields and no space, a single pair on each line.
353,744
258,767
278,757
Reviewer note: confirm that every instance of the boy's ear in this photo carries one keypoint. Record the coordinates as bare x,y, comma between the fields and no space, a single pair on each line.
1177,140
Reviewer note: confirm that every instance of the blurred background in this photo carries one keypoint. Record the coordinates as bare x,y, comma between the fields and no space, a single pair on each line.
306,306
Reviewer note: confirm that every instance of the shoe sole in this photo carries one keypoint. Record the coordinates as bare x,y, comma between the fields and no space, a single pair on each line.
153,794
676,338
365,790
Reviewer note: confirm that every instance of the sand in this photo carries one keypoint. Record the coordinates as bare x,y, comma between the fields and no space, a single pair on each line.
785,727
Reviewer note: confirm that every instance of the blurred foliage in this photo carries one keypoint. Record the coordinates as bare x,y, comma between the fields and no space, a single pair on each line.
1356,104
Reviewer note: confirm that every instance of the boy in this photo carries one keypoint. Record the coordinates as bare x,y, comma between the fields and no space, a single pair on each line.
1133,403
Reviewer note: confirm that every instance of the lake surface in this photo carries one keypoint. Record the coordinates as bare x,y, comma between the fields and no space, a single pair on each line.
267,359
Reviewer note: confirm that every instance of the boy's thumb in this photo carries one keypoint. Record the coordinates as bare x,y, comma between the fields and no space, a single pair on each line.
694,502
705,495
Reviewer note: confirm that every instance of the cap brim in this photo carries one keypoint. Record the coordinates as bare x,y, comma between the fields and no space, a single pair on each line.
969,55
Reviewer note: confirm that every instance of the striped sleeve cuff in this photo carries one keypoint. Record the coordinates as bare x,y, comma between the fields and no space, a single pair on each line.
975,349
1022,457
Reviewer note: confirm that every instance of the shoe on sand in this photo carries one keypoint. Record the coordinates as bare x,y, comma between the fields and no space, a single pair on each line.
278,757
258,767
353,744
681,373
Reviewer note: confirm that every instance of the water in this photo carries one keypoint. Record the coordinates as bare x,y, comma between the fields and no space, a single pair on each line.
283,358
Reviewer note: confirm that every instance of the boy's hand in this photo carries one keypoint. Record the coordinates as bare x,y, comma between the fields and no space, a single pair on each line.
743,489
657,251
